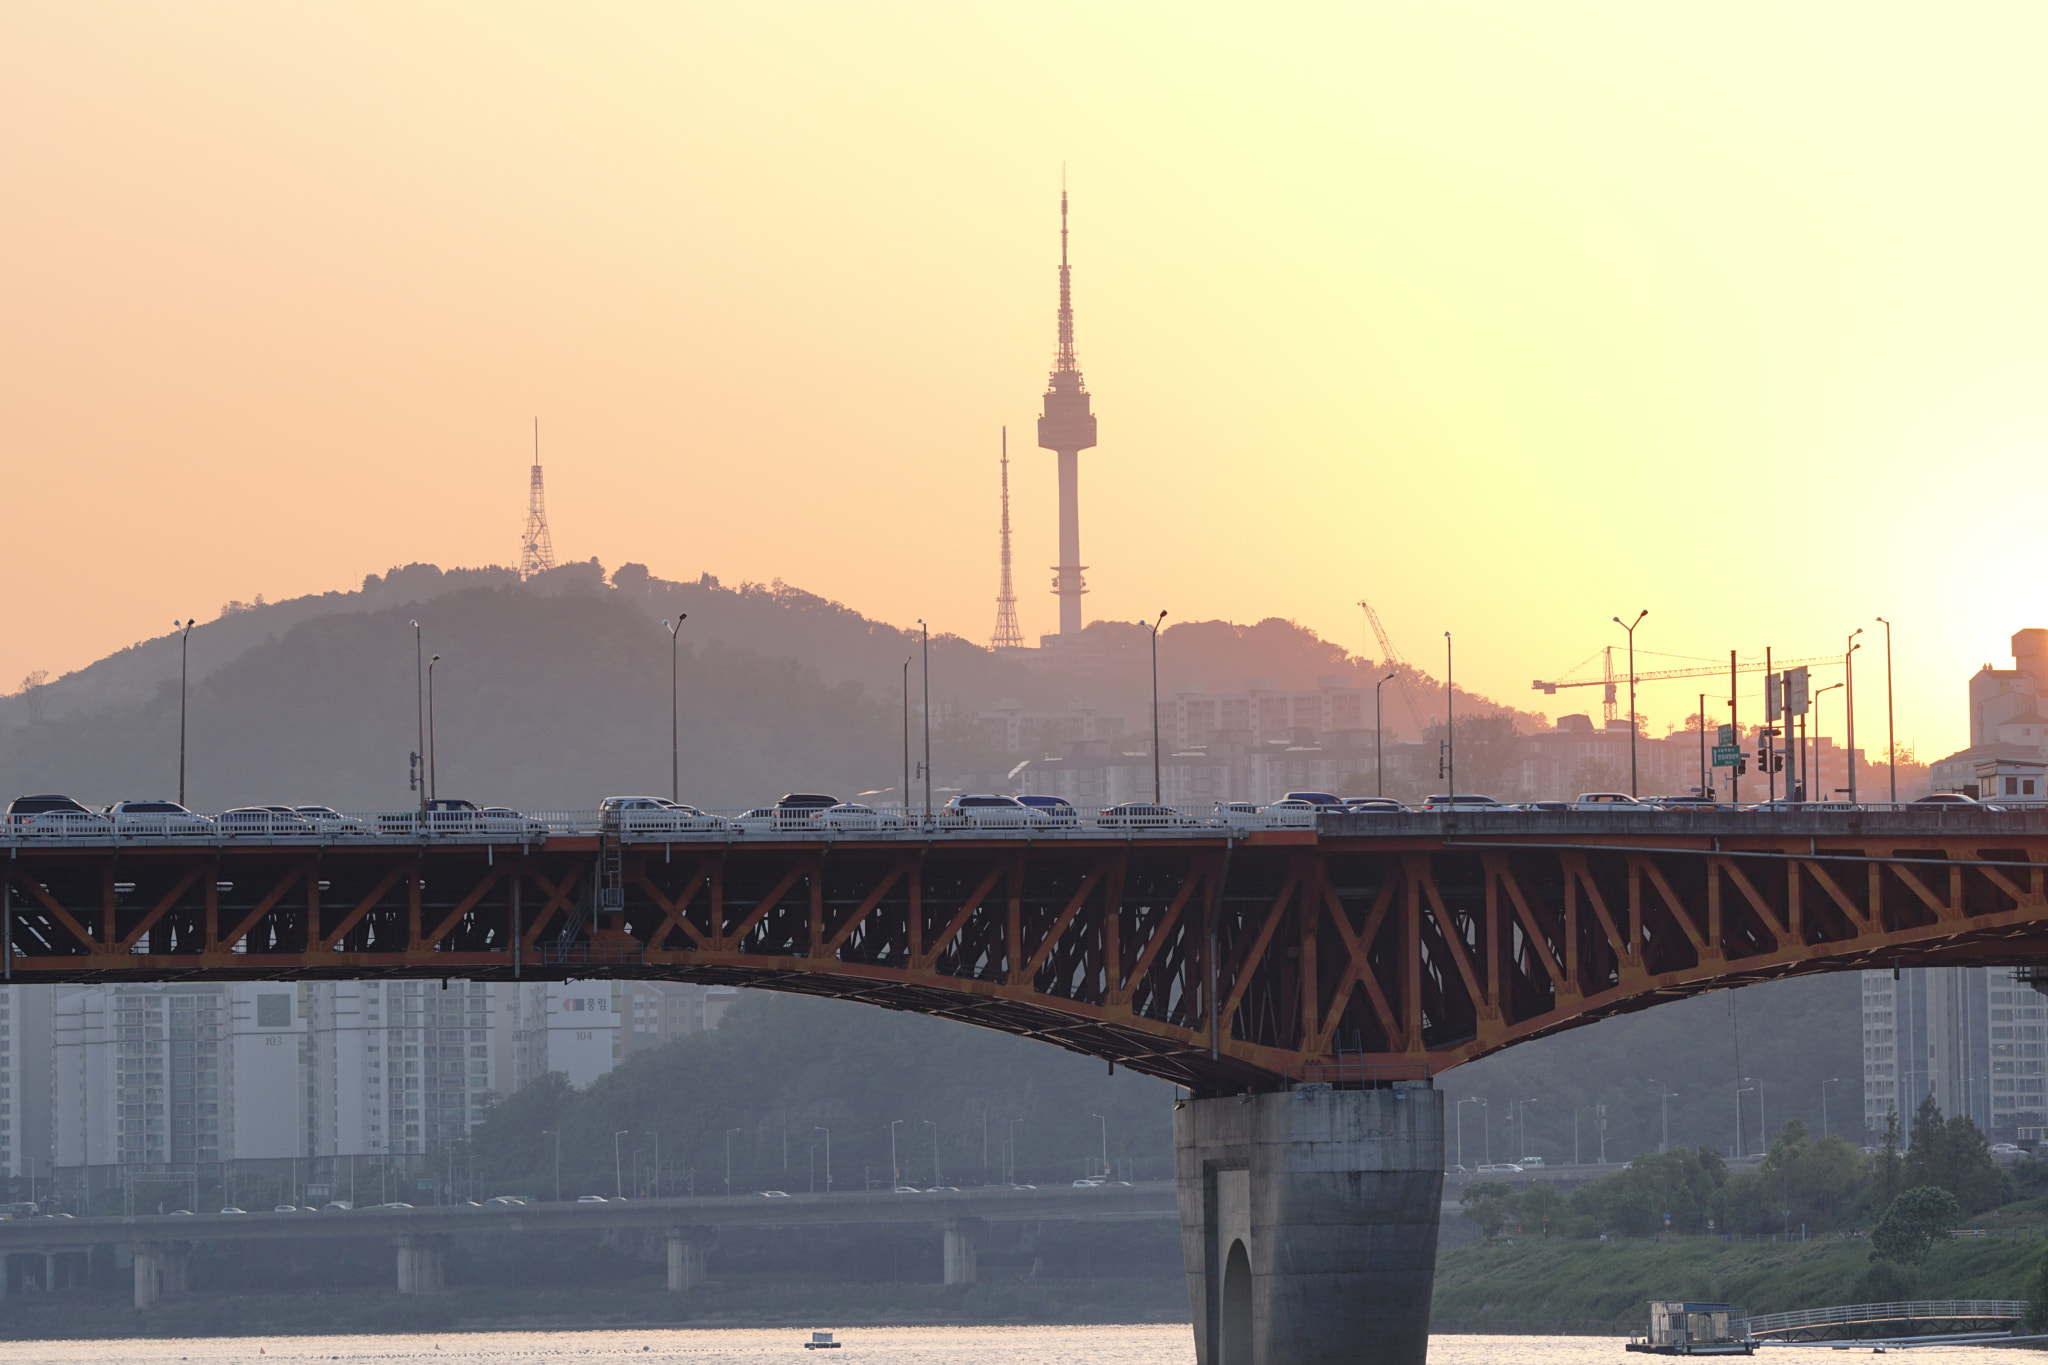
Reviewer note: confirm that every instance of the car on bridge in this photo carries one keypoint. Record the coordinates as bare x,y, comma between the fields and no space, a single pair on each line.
62,824
329,822
22,808
984,810
1463,801
792,814
1608,801
157,820
626,816
850,817
1052,810
1374,805
1144,815
1940,801
1292,813
265,822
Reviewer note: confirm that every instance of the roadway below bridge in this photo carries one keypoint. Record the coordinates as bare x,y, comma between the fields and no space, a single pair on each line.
162,1243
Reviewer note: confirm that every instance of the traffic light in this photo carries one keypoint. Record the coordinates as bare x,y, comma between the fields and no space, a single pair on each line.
1741,767
1777,763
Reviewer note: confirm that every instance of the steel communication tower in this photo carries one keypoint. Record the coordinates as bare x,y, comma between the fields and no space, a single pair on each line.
1067,427
536,547
1007,635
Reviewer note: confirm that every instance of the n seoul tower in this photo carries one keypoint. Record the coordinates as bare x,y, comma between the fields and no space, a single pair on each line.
1067,428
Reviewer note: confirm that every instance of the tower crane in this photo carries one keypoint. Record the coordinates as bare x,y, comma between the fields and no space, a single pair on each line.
1390,655
1608,681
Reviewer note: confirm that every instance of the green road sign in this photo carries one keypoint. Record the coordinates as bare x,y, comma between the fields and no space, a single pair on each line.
1727,755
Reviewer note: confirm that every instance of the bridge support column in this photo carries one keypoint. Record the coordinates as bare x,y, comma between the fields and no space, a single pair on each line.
420,1265
149,1274
963,1265
686,1248
1308,1224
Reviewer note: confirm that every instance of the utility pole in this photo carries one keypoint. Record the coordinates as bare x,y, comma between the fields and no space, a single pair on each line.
927,720
1735,721
432,790
1153,626
1849,700
906,736
419,688
728,1161
1891,742
1705,786
820,1128
184,659
1450,729
1379,729
675,639
1630,627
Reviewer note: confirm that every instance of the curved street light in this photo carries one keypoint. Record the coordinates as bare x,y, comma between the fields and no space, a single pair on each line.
184,658
1630,627
675,638
1153,626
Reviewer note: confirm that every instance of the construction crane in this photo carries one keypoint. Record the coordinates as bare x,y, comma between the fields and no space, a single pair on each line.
1391,656
1608,680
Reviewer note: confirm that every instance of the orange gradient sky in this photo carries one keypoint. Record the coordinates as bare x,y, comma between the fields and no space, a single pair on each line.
1508,317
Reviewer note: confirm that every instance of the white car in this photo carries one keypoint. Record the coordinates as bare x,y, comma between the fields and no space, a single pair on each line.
1244,814
157,820
1293,813
1463,801
330,822
1616,801
503,821
264,822
63,824
631,815
852,817
986,811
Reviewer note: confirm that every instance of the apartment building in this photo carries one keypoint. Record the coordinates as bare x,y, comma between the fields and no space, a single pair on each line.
652,1013
1972,1037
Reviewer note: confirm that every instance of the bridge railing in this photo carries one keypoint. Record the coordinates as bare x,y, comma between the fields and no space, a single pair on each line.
1908,1310
756,824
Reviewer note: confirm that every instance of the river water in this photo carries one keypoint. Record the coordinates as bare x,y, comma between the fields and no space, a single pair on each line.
1149,1345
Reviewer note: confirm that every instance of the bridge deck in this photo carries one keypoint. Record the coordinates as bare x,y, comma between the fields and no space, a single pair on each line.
1369,950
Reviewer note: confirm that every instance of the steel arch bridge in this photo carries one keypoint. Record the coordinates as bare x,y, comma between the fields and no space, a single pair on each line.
1370,949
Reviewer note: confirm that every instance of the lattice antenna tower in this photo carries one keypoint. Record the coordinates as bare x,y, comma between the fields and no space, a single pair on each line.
536,547
1007,635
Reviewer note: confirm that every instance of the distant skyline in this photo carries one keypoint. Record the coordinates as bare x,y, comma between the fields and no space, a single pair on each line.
1509,321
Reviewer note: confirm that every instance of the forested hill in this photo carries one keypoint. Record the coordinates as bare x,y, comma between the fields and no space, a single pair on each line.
554,692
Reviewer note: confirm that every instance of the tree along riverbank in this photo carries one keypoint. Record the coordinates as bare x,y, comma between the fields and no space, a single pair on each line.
104,1312
1554,1285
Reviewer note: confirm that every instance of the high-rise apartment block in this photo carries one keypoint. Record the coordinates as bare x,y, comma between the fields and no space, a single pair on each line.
1972,1037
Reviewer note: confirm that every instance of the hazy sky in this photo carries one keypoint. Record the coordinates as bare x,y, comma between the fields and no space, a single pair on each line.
1508,317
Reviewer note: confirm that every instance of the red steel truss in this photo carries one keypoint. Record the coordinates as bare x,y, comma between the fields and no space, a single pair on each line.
1222,965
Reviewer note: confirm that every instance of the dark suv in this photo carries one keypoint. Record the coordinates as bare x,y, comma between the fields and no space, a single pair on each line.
21,807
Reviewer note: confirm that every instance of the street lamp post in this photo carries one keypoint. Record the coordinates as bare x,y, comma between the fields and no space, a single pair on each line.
657,1164
432,791
184,658
895,1171
419,690
934,1126
1740,1091
1460,1106
675,641
1379,749
1630,627
1849,700
1522,1128
1450,729
728,1161
1664,1112
1105,1143
1013,1148
820,1128
906,736
1832,1080
1153,626
1819,734
1891,742
927,647
618,1176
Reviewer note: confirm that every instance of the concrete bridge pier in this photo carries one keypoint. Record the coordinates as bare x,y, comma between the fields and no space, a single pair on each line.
160,1271
420,1268
963,1264
1308,1224
686,1257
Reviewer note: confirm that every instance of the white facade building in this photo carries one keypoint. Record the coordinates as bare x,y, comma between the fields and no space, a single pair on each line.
567,1026
1972,1037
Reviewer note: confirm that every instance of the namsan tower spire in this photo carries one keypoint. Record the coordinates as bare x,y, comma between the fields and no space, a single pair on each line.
536,547
1067,427
1007,635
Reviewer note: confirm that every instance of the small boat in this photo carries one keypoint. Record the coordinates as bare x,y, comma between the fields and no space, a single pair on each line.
1691,1329
821,1341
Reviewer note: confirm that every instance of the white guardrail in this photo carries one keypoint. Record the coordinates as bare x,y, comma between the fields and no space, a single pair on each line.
1904,1311
332,828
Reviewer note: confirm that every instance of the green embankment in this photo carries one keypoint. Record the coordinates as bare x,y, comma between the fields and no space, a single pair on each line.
1596,1287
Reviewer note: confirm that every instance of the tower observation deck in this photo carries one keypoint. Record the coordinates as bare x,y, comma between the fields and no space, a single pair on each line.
1067,427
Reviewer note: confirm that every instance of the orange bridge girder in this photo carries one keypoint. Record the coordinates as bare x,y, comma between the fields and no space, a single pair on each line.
1365,951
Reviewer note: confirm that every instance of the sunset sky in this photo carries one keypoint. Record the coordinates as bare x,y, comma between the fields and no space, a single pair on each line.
1509,318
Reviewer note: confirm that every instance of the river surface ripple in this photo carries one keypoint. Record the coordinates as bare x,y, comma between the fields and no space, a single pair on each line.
1146,1345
